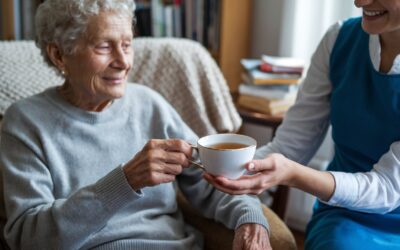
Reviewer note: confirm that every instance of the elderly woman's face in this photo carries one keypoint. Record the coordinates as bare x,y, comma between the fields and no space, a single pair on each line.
97,71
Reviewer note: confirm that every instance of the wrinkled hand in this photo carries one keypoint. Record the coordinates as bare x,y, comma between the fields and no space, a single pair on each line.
274,170
251,236
158,162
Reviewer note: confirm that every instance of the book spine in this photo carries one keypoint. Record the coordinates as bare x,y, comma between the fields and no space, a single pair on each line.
169,20
17,20
275,81
188,18
194,19
206,25
266,67
157,18
177,16
200,20
217,14
28,19
143,17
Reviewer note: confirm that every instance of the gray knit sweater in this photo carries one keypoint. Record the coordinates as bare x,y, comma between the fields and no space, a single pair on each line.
64,187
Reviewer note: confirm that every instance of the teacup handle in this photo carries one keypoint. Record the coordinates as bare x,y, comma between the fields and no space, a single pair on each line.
196,164
195,148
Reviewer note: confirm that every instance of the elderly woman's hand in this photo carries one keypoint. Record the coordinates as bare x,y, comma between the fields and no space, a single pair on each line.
251,236
158,162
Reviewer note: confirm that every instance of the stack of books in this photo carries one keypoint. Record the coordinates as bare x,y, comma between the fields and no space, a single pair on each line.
270,84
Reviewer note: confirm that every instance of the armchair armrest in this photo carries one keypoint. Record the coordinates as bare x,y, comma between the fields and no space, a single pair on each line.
217,236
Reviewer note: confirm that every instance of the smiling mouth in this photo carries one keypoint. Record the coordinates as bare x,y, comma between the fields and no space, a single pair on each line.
374,13
114,80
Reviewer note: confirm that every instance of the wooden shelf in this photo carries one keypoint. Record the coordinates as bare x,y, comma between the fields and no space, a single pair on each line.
7,20
235,39
260,118
272,121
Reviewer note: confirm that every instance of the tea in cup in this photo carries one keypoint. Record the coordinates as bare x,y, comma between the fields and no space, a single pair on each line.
226,154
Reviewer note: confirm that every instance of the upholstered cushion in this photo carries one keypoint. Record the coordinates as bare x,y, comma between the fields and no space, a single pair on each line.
188,77
22,72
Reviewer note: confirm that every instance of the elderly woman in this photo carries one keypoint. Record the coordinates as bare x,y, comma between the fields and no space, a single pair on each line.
78,165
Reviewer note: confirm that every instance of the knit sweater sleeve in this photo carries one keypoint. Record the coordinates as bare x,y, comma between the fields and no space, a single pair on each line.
36,218
230,210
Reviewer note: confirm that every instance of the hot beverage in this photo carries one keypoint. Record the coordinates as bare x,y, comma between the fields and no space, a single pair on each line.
228,145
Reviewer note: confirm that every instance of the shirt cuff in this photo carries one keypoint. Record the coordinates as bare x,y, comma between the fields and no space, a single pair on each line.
253,217
346,189
114,190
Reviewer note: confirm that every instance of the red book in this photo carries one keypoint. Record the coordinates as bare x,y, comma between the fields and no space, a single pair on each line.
266,67
272,64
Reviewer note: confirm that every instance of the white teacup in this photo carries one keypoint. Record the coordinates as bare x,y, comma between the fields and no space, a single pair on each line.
226,154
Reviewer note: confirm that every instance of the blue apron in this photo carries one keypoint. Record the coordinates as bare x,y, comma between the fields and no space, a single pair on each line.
365,118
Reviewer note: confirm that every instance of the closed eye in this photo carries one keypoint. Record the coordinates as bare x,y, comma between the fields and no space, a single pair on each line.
103,46
126,46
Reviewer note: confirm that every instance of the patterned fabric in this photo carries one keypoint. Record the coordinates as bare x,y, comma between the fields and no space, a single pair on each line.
22,72
186,75
181,70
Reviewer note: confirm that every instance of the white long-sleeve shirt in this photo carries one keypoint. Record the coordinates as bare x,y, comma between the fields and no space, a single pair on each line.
306,124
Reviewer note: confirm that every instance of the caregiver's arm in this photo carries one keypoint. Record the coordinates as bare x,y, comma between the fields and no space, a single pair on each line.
274,170
377,191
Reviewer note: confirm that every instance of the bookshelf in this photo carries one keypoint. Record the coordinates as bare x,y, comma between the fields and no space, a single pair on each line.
234,32
224,29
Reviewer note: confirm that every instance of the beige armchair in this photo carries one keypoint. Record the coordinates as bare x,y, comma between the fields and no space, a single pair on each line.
185,74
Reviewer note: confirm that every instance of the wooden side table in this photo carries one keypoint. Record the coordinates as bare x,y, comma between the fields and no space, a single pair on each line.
272,121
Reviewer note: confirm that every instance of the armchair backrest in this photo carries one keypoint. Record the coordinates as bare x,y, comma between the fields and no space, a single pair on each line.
187,76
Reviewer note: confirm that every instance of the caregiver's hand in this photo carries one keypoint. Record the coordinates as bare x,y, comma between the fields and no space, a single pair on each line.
274,170
271,171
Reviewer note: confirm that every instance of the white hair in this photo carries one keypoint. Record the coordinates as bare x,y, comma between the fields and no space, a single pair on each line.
63,22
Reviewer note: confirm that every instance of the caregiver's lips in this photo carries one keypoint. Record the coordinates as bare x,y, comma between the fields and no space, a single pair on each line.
372,15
